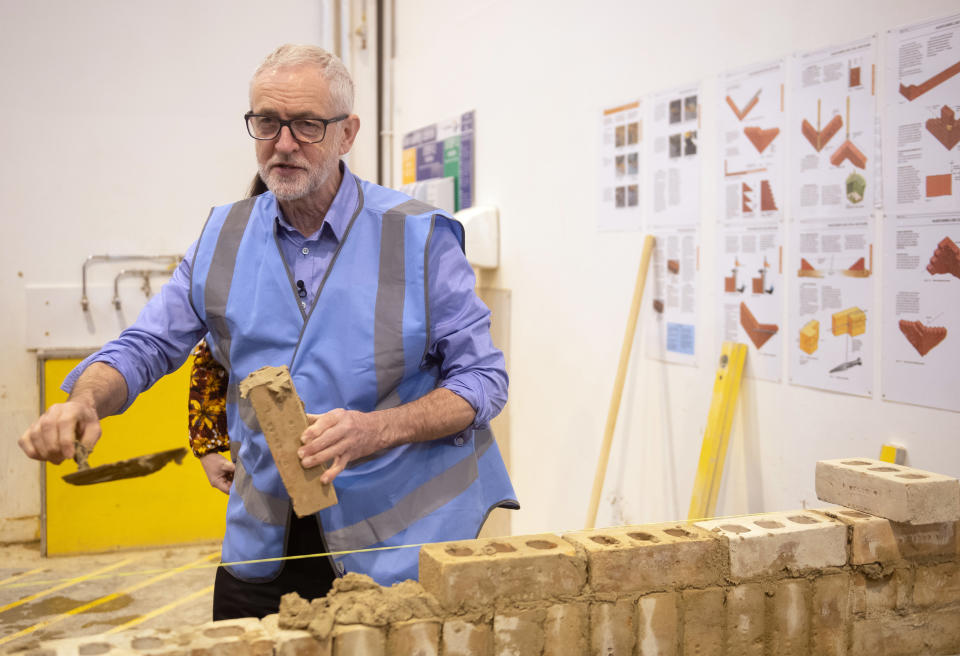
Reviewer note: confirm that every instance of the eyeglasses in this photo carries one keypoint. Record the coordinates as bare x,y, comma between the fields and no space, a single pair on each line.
304,130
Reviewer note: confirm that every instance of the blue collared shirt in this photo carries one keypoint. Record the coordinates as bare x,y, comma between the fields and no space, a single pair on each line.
167,328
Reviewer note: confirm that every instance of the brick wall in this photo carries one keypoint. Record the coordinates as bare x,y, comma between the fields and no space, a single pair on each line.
827,582
836,581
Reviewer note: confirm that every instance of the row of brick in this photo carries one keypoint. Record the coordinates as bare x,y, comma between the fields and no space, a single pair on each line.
838,581
643,559
914,610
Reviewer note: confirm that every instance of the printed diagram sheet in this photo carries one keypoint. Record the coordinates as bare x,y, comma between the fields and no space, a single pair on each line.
921,331
751,118
751,309
621,134
922,118
833,135
831,273
674,160
750,232
674,219
671,327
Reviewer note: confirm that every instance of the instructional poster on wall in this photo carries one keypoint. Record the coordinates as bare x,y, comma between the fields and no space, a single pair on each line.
674,137
751,120
674,267
674,220
831,272
922,118
442,150
833,163
621,135
750,232
921,343
750,259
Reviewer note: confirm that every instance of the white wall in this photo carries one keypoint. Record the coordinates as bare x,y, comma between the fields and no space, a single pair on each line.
538,73
121,125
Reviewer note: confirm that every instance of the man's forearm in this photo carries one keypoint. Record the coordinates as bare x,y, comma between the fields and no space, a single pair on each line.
102,387
436,414
341,436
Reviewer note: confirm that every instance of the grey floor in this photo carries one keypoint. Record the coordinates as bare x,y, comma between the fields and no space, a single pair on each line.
69,596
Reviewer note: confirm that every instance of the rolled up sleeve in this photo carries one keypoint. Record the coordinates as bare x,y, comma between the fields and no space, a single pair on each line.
470,365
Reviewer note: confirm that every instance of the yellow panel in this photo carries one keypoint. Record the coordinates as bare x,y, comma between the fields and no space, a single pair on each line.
408,168
172,506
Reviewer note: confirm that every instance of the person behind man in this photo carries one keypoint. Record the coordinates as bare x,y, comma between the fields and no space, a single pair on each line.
366,295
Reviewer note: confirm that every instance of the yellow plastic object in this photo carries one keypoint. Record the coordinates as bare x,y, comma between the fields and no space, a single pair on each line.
726,387
174,505
893,454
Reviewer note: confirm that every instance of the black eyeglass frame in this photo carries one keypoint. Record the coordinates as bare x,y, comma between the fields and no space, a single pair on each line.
289,123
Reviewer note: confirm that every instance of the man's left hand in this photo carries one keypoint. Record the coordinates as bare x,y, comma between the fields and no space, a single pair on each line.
340,436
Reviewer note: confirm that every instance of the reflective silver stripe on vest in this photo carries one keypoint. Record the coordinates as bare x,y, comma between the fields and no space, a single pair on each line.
388,316
220,275
244,408
265,507
391,288
416,505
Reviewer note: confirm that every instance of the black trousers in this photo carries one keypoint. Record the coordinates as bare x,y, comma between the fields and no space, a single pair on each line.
309,577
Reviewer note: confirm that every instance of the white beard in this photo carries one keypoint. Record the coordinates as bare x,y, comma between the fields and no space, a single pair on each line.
303,184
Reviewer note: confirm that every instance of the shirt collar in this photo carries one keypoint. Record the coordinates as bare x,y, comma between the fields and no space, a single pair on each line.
338,214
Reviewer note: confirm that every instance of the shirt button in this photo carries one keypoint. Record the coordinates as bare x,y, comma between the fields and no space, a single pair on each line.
305,251
303,305
458,441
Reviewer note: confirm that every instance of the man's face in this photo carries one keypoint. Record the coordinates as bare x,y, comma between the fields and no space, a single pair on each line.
290,169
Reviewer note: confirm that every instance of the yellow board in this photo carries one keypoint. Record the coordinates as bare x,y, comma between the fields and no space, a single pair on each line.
172,506
408,166
726,387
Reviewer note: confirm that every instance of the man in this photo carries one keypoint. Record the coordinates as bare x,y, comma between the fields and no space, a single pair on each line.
366,295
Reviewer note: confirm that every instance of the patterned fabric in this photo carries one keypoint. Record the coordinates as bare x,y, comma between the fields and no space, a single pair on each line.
207,407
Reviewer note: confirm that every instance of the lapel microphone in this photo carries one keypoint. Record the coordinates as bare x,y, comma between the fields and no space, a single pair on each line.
301,289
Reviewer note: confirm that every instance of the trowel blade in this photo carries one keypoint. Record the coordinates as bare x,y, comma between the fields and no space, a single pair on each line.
126,468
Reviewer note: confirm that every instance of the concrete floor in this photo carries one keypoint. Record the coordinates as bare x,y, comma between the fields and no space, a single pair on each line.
67,596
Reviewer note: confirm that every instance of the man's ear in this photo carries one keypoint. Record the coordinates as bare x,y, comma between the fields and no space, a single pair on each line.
351,125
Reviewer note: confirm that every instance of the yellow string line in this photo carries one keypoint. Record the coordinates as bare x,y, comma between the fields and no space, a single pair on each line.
20,576
66,583
370,549
160,611
237,562
104,599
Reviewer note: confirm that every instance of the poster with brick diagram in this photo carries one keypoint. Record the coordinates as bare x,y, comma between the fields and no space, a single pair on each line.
750,229
751,124
621,136
834,164
831,319
673,218
921,310
672,292
750,259
921,131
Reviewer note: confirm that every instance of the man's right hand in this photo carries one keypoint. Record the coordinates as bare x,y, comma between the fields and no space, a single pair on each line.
219,471
52,436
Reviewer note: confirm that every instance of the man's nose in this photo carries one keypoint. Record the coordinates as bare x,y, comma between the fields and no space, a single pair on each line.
285,140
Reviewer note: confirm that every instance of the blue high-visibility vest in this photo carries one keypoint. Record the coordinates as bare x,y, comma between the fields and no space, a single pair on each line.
361,346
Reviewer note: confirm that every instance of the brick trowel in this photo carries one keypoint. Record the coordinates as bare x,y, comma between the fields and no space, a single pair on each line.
115,471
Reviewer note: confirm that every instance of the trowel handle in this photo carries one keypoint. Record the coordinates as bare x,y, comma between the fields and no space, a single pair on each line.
81,453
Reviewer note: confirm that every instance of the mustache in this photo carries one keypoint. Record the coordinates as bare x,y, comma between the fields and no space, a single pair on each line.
287,161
